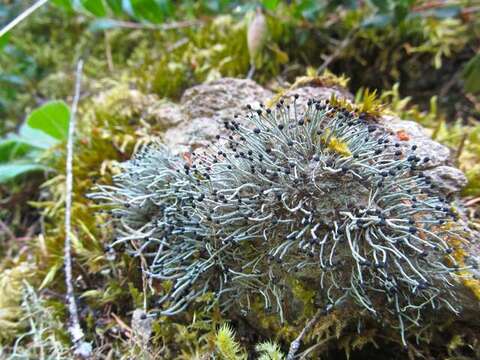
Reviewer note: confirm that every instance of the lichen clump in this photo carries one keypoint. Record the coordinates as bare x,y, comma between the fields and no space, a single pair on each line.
313,192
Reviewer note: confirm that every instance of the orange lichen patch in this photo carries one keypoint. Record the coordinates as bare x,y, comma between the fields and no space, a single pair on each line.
187,157
459,255
402,135
472,284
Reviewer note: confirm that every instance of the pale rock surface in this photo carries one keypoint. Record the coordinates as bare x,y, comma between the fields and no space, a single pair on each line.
203,109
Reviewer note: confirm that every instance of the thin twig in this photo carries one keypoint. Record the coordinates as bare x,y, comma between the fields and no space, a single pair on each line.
167,26
472,202
177,44
7,230
295,345
345,42
304,354
448,85
108,52
22,16
460,149
82,348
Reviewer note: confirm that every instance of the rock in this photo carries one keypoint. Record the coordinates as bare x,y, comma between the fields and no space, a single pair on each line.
409,133
141,327
189,136
221,99
204,108
318,93
132,105
164,114
449,180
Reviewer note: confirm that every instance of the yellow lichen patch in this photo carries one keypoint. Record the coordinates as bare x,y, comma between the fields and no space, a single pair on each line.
327,79
338,146
459,255
334,144
473,285
341,102
305,295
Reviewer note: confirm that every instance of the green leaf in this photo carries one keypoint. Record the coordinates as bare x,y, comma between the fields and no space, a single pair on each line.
65,4
471,75
11,79
166,7
270,4
52,119
443,12
115,6
382,5
12,149
12,170
400,12
147,10
96,7
4,41
378,21
35,138
127,7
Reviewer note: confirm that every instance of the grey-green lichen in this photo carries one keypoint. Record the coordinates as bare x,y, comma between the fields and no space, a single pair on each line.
315,192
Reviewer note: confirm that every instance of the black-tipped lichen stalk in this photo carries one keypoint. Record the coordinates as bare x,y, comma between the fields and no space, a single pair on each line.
315,192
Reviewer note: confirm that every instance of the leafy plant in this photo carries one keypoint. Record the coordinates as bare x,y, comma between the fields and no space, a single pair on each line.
471,75
44,128
227,347
269,351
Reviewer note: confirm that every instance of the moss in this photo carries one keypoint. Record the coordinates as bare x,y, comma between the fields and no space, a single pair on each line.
11,294
210,51
460,255
149,63
108,133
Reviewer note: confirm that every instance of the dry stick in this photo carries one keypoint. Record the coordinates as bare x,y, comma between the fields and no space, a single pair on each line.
167,26
82,348
337,52
108,52
460,149
295,345
7,230
22,16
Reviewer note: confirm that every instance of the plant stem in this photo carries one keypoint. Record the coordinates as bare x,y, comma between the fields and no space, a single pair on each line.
81,348
22,16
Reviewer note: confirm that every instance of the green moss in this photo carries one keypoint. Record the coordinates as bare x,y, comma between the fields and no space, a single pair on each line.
148,65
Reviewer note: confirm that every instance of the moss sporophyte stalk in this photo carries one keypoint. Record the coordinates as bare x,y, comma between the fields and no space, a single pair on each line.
305,191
